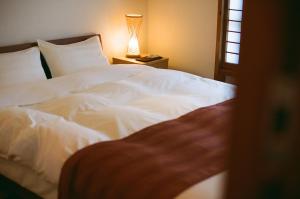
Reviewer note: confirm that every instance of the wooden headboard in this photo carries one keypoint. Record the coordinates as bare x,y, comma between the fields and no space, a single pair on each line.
19,47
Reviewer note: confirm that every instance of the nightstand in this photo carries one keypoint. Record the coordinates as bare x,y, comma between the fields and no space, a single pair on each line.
160,63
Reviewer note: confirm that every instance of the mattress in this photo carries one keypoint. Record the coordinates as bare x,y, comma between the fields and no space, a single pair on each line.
27,178
50,120
211,188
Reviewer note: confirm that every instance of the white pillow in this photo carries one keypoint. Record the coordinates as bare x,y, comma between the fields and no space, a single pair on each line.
21,67
66,59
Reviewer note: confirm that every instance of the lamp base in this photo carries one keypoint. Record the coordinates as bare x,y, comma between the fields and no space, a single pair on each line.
133,56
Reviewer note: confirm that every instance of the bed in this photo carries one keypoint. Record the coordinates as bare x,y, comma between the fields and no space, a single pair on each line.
44,123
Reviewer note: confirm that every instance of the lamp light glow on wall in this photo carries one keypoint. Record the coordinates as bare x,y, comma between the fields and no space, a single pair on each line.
134,22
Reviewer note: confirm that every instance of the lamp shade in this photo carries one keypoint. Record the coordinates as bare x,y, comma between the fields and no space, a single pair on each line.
134,22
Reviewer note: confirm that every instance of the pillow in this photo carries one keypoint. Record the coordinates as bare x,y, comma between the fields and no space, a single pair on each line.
21,67
66,59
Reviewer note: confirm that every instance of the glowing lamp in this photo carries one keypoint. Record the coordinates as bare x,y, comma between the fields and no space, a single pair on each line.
134,22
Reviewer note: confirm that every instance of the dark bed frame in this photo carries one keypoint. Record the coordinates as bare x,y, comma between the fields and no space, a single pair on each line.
19,47
8,188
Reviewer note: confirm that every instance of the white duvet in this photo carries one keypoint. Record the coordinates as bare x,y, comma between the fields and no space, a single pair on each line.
44,123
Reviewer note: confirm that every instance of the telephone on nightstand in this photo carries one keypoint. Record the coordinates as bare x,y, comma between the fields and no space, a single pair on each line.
148,58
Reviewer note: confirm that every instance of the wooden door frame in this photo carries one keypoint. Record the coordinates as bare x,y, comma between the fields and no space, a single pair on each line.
222,69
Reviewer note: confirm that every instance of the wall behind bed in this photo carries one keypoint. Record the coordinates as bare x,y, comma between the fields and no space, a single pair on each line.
187,33
184,30
25,21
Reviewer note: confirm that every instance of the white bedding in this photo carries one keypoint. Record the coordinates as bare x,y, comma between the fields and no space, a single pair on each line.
212,188
44,123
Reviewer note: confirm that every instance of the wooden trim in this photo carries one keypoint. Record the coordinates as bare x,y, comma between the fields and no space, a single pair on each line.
223,69
73,39
14,48
219,43
19,47
221,38
160,63
229,71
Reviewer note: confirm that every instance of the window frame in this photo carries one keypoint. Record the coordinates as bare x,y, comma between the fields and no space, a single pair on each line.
222,68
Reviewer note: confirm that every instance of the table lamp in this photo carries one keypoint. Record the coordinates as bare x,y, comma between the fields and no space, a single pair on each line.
134,22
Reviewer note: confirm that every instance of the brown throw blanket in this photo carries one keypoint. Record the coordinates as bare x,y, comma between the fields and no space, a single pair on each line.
158,162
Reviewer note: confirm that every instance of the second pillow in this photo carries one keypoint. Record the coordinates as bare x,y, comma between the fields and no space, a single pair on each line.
67,59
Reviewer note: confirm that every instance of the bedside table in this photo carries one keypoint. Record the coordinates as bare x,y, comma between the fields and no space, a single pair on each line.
160,63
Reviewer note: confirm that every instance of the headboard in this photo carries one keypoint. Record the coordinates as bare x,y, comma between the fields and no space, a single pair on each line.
19,47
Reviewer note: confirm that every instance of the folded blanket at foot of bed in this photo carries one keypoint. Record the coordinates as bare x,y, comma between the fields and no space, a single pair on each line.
159,162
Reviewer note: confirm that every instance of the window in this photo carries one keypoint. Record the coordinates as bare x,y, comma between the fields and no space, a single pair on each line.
233,38
229,38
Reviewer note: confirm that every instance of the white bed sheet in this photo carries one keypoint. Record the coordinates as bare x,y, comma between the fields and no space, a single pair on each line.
27,178
211,188
51,120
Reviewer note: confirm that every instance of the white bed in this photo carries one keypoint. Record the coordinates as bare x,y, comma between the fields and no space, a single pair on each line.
43,123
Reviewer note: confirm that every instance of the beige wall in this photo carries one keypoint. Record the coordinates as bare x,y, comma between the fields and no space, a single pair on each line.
185,31
27,20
